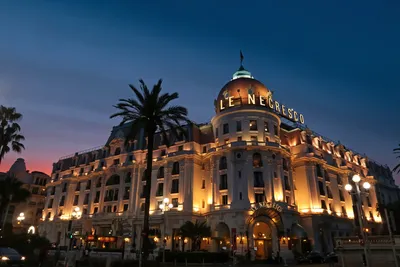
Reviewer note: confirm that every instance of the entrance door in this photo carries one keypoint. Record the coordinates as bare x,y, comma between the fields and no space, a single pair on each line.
261,253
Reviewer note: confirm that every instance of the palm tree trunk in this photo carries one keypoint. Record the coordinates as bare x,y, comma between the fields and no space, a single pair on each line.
147,190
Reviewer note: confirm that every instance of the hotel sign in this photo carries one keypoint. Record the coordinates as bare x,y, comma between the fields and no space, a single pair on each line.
267,205
267,102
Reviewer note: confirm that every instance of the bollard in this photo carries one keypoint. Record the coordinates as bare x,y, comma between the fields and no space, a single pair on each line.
185,261
174,262
203,261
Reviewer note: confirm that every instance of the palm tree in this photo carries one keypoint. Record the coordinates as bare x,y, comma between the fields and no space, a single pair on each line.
397,167
150,111
196,232
10,131
11,191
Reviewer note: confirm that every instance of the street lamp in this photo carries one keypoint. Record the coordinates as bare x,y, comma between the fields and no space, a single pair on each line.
21,218
165,206
348,187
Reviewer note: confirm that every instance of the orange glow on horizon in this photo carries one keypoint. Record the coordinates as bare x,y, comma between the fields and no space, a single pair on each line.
32,164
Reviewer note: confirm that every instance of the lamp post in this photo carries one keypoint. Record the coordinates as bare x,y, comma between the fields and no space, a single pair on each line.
165,206
21,218
356,179
75,214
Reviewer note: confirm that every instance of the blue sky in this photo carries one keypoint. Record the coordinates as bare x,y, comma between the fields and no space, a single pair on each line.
63,64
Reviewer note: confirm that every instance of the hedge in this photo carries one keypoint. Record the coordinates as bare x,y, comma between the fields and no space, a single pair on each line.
195,257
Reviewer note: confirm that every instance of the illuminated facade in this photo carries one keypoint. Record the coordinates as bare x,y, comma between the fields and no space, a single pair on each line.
263,182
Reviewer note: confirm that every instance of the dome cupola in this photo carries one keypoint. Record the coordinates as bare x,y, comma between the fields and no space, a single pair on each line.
241,90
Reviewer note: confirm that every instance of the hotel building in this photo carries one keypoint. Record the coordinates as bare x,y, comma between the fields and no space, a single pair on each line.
26,216
262,181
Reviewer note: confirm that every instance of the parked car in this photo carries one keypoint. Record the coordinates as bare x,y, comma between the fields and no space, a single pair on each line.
10,257
331,257
312,257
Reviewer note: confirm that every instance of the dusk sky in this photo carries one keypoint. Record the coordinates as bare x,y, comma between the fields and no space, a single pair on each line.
63,64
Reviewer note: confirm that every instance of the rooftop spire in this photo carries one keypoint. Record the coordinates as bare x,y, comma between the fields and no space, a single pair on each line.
241,72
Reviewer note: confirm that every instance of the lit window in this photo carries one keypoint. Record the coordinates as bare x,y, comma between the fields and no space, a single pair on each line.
253,125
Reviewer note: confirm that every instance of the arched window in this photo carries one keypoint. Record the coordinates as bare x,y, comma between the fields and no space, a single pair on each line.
175,168
257,161
117,151
223,164
113,180
128,178
160,173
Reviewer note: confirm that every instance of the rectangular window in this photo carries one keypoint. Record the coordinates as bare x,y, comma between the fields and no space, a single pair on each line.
204,149
344,213
276,131
321,188
238,126
116,162
126,206
266,128
203,184
97,198
224,200
341,196
116,195
175,202
175,186
254,138
127,192
239,138
62,201
86,200
225,128
253,125
96,210
180,148
88,184
223,182
142,206
330,206
323,204
287,184
76,200
160,190
216,132
50,205
259,198
258,179
203,204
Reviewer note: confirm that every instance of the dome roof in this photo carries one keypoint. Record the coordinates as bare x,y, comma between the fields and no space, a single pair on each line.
241,85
